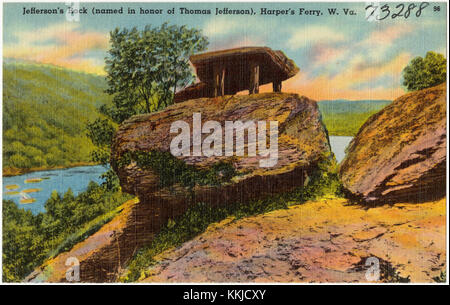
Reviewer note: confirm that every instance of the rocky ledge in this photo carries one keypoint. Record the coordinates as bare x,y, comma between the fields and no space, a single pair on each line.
399,154
323,241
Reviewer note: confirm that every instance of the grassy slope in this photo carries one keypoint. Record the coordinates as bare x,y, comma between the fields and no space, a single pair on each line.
45,111
344,118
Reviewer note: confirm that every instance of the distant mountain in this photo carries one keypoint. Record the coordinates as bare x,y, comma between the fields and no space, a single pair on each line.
344,117
346,106
45,111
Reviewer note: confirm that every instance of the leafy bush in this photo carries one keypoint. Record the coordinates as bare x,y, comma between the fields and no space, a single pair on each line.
425,72
172,170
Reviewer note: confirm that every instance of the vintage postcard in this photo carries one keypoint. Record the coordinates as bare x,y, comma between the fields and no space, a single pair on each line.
224,142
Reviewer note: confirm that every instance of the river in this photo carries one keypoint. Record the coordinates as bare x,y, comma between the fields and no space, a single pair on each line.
338,146
45,182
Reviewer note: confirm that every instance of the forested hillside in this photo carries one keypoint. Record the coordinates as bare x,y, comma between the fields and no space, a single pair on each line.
45,111
344,118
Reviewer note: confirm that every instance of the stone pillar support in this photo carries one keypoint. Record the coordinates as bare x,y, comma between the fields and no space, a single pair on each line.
254,78
219,81
276,86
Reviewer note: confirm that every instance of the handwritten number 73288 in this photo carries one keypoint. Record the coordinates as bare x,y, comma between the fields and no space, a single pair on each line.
400,10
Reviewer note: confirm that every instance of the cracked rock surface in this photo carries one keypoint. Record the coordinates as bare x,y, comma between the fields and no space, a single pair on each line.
322,241
399,154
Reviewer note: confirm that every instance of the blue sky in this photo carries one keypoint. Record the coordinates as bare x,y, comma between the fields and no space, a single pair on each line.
339,56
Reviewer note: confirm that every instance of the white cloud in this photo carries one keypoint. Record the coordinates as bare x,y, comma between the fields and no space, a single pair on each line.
307,36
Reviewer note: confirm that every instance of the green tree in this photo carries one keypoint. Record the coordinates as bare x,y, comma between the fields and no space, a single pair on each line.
22,244
101,133
19,161
144,70
425,72
145,67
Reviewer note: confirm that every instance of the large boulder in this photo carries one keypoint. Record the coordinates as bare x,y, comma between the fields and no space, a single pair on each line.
302,144
399,154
